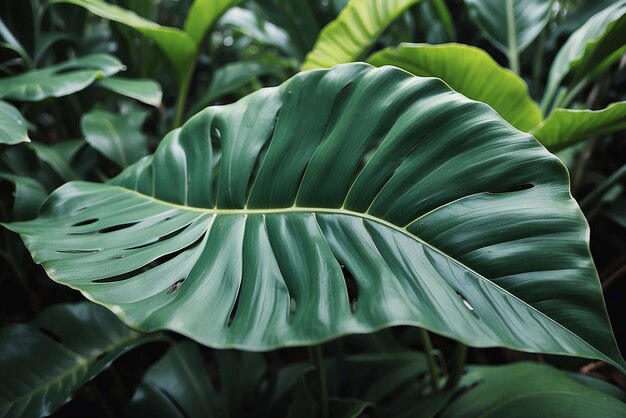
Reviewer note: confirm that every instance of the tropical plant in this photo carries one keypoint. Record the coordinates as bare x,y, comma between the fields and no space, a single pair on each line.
328,238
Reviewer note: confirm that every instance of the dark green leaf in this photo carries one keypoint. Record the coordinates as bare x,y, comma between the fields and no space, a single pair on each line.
29,195
13,126
146,91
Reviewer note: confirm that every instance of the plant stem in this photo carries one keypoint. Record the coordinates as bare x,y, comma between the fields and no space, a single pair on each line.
181,99
445,18
430,360
512,41
317,359
456,365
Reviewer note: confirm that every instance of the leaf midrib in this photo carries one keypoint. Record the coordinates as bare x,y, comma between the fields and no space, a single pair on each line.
364,215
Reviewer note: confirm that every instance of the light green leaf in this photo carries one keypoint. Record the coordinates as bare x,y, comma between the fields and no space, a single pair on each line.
146,91
203,14
350,36
565,127
60,79
456,222
44,362
470,71
29,195
598,43
117,137
178,46
510,25
529,390
13,126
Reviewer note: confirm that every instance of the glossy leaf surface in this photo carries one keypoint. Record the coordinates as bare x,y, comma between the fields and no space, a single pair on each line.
429,207
60,79
470,71
146,91
510,25
599,42
44,362
565,127
529,390
350,36
13,126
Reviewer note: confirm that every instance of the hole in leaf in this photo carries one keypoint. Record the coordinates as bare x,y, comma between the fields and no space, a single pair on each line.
467,305
233,311
175,286
117,227
511,189
51,334
351,287
161,260
86,222
292,306
77,251
161,239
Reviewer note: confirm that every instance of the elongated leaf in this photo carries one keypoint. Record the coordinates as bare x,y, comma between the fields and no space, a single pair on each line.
470,71
60,79
529,390
203,14
50,156
178,46
565,127
597,43
510,25
146,91
44,362
29,195
118,137
13,126
455,222
349,37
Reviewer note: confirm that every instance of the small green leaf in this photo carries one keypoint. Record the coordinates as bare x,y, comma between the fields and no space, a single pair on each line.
44,362
510,25
13,126
589,50
203,14
29,195
60,79
565,127
528,390
470,71
146,91
350,36
118,137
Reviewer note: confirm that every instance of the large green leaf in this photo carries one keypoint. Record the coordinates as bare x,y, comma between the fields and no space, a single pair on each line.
60,79
13,126
350,36
510,25
590,49
430,208
117,137
529,390
470,71
565,127
44,362
145,90
177,45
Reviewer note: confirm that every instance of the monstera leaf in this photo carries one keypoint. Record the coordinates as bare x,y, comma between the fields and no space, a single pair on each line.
343,201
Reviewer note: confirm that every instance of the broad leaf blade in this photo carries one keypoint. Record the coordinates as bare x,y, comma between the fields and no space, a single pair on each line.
203,14
597,43
13,126
470,71
44,362
349,37
565,127
118,137
144,90
529,390
456,222
510,25
60,79
179,47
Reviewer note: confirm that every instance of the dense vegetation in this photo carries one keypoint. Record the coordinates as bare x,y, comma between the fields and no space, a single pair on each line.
312,208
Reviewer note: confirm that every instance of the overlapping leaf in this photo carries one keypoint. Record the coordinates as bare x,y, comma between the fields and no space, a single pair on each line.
344,201
13,126
470,71
44,362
